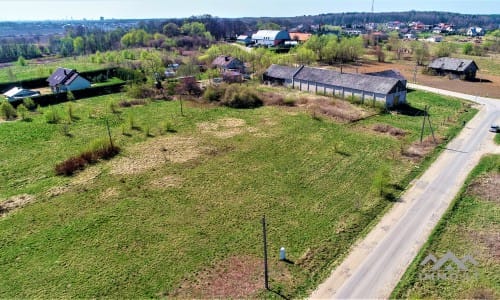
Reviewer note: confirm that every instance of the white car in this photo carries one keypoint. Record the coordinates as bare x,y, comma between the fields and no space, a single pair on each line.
495,128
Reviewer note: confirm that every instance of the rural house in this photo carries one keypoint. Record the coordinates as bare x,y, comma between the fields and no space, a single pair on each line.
228,63
63,80
17,93
454,67
270,38
391,91
244,40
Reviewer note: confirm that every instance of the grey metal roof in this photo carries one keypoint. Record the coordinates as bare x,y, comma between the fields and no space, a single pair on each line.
281,72
451,64
388,73
62,76
361,82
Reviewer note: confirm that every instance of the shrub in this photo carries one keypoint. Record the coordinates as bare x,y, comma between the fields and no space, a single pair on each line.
100,149
52,116
22,111
113,107
29,103
7,110
213,93
238,97
71,111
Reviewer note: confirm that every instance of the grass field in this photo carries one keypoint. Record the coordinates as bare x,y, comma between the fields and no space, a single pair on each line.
178,213
471,226
45,68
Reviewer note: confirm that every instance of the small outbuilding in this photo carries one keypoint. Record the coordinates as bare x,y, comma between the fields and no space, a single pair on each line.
244,40
455,67
226,63
17,93
63,80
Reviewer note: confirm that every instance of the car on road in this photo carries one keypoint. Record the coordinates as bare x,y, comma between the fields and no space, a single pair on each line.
495,128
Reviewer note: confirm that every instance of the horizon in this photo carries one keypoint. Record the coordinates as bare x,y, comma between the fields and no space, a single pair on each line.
74,10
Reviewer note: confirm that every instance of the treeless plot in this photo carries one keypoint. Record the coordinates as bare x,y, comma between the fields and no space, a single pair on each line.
14,202
486,187
235,277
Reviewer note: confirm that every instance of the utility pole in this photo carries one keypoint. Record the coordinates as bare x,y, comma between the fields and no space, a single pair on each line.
109,134
426,117
264,238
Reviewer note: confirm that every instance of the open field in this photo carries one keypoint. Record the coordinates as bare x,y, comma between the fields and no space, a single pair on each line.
470,227
39,68
178,213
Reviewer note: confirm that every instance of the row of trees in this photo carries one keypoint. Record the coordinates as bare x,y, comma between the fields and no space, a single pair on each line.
12,51
329,49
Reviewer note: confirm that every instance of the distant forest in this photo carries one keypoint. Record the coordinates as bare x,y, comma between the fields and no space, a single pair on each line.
65,38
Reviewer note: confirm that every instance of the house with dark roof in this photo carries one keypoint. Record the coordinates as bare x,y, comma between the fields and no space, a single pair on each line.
228,63
17,93
63,80
244,39
454,67
270,38
391,91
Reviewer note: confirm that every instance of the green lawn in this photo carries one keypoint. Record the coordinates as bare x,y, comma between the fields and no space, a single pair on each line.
33,70
470,226
174,205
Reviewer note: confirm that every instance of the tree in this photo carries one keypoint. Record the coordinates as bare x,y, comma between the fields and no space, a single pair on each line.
305,56
21,61
193,29
7,110
152,65
268,26
444,49
171,30
379,52
420,52
79,45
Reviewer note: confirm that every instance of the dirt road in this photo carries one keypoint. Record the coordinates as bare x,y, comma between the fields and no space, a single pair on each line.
376,264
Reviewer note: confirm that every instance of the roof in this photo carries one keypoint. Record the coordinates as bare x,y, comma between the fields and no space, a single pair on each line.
12,92
223,60
242,37
269,34
62,76
361,82
282,72
299,36
20,93
451,64
388,73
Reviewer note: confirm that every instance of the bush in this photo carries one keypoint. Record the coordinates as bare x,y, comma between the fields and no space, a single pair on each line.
7,110
100,149
213,93
52,116
240,97
22,111
29,103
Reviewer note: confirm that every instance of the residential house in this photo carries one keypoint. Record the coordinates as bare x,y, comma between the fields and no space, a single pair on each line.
455,67
270,38
391,91
17,93
435,39
300,36
63,80
228,63
232,76
475,31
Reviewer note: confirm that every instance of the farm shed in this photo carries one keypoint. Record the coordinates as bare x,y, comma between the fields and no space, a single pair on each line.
390,74
17,93
63,80
244,39
391,91
456,67
270,38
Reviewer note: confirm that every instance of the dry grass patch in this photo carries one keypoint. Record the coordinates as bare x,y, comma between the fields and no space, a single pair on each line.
486,187
86,176
155,152
235,277
388,129
110,193
339,110
223,128
490,240
419,150
15,202
168,181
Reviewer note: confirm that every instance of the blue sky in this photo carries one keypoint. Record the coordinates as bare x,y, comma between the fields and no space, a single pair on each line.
136,9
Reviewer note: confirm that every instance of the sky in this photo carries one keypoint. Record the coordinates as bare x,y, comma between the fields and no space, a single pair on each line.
140,9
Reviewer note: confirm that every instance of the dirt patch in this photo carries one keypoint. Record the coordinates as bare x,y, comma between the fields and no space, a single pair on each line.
235,277
388,129
110,193
486,187
418,149
169,181
155,152
223,128
86,176
57,190
15,202
339,110
489,240
480,293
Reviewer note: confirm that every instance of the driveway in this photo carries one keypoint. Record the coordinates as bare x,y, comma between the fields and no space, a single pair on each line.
376,264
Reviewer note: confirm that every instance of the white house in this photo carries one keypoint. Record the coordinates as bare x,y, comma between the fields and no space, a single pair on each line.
475,31
270,38
63,80
17,93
